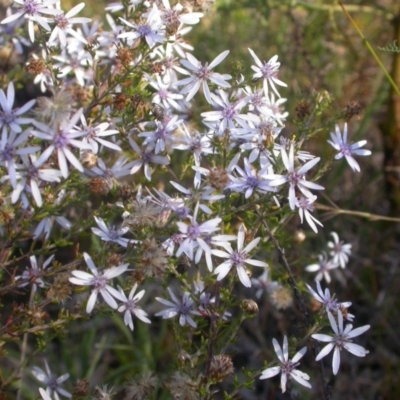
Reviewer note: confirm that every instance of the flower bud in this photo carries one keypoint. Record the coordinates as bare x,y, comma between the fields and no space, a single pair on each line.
249,307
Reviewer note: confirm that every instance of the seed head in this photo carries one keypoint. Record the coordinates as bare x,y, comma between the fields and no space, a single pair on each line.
221,367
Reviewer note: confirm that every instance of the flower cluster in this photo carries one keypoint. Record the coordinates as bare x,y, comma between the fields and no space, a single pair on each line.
112,151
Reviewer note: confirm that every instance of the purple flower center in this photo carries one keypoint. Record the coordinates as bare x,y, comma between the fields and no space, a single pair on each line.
163,94
32,172
238,258
268,71
345,149
252,181
305,204
229,112
144,30
31,7
61,140
100,282
203,72
294,178
287,367
193,231
114,234
8,153
131,306
61,21
7,117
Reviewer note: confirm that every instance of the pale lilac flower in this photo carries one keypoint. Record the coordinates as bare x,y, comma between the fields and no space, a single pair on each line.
206,302
44,394
193,141
11,119
93,135
238,258
275,110
174,15
63,26
147,156
30,176
340,250
262,284
251,180
76,61
341,340
295,177
45,225
329,303
164,95
306,206
32,9
285,143
287,368
150,29
9,151
194,237
182,307
120,168
11,32
346,149
229,114
100,282
268,72
32,275
62,138
53,384
200,76
129,307
322,268
112,235
199,193
161,138
169,63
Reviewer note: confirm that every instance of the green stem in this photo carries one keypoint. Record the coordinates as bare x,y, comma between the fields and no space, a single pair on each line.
370,49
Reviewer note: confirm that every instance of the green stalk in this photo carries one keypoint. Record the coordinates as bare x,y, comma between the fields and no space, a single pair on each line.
370,49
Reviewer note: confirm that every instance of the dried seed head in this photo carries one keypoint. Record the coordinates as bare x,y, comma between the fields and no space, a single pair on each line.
120,102
182,387
82,95
88,159
281,297
61,289
144,213
218,178
352,109
154,259
221,367
141,387
302,110
56,109
249,307
81,389
125,56
103,393
125,192
100,185
156,67
114,259
36,315
35,66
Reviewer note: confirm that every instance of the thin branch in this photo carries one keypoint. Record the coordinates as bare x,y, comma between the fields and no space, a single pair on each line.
361,214
299,298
